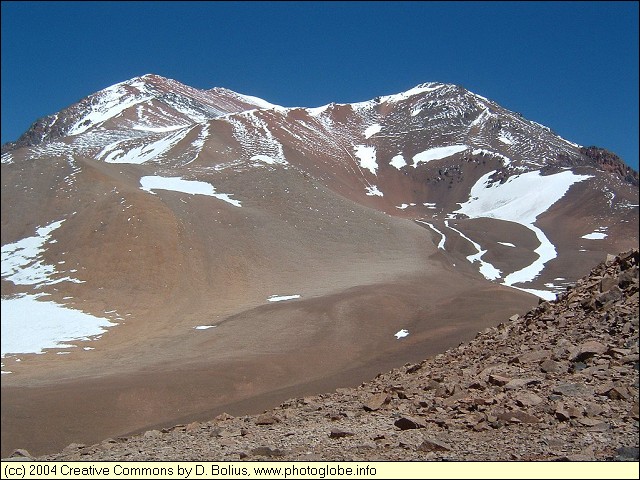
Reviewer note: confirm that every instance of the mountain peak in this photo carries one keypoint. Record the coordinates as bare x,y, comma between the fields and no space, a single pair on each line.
146,102
147,77
181,214
151,76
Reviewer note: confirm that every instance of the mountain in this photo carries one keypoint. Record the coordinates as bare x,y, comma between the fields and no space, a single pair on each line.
161,105
570,396
224,253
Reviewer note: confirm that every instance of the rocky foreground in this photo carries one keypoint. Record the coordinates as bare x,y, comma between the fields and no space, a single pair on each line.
559,383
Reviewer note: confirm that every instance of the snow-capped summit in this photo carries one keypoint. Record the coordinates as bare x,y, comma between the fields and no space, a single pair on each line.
149,102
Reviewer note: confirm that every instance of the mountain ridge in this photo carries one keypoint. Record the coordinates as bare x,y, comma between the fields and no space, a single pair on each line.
52,127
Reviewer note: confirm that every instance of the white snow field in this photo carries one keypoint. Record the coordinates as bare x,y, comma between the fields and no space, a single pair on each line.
437,153
30,325
177,184
521,199
21,261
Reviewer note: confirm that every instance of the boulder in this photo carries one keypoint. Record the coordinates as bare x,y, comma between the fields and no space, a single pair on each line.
549,366
589,349
267,419
408,423
433,445
498,380
337,433
376,402
518,416
520,382
267,452
527,399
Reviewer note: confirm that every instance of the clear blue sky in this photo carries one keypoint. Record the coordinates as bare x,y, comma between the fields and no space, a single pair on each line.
572,66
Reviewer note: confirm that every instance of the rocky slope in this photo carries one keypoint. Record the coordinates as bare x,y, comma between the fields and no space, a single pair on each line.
558,383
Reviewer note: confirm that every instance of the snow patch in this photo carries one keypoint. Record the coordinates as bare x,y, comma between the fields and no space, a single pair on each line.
269,160
22,261
367,157
401,334
143,153
199,142
30,325
7,159
106,104
373,190
423,88
506,137
487,270
437,153
314,112
597,234
507,244
505,160
170,128
398,161
405,205
546,251
204,327
442,240
253,133
484,116
544,294
281,298
259,102
372,130
177,184
521,199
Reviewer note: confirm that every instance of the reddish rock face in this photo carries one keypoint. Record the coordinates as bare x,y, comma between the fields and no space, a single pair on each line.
611,163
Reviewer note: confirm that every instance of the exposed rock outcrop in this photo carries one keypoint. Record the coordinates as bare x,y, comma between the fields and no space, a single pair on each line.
609,162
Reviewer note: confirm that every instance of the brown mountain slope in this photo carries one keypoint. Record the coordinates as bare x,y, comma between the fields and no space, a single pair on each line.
558,383
352,212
